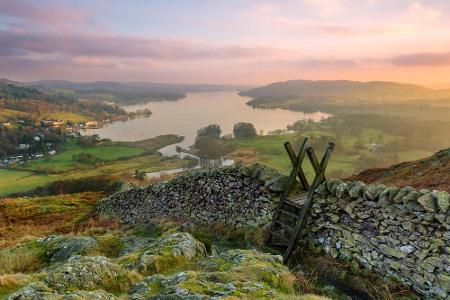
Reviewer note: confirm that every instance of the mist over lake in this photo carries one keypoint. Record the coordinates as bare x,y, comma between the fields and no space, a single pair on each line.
184,117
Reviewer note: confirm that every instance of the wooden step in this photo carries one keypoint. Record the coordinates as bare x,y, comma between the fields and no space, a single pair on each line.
278,244
298,199
285,225
289,213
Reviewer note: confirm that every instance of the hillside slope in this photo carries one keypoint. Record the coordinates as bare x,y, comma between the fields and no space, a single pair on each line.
345,91
430,173
19,100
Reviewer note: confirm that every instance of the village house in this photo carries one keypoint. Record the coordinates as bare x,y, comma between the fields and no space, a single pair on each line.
91,124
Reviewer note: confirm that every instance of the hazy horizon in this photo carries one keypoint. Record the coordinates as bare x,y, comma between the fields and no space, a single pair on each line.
237,42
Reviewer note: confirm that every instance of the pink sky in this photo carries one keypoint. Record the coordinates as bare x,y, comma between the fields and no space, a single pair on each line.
236,42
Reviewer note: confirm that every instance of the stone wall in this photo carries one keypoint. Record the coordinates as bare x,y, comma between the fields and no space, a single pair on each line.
236,195
401,233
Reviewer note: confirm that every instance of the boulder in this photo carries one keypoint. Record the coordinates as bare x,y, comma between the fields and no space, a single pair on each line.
168,251
39,290
61,248
90,273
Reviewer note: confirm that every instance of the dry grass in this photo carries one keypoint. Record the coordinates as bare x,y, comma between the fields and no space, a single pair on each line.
11,282
21,260
24,218
245,155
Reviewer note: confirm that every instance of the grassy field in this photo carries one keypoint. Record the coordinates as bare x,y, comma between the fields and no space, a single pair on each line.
15,181
6,114
118,160
23,218
64,162
270,150
68,116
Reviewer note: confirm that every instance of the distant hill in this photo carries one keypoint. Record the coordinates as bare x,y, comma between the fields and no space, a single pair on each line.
345,91
127,92
430,173
18,100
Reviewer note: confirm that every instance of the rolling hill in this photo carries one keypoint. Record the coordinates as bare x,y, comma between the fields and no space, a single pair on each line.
126,92
345,91
18,101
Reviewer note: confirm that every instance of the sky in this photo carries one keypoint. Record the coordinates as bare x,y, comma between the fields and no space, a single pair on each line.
225,42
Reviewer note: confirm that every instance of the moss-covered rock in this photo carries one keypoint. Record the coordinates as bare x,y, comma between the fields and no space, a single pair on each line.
168,251
241,273
90,273
39,290
61,248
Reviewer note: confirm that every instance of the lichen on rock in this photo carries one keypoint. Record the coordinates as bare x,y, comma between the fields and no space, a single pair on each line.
61,248
168,251
242,273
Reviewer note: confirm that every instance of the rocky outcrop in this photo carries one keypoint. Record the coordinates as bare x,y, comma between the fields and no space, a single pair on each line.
90,276
401,233
61,248
169,250
237,195
248,273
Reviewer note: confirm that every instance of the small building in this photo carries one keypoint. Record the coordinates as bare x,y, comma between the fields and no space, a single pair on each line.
24,146
37,138
6,124
91,123
374,147
52,152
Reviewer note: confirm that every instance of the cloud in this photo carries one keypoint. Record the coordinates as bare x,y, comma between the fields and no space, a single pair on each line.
43,14
327,7
421,13
422,59
14,43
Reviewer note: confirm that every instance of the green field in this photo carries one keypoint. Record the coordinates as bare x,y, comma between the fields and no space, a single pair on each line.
270,151
14,181
63,162
7,114
68,116
118,160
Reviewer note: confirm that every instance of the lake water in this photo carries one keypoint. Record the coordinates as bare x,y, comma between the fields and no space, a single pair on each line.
184,117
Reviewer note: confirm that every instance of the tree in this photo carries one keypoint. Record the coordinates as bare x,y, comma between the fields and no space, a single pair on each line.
242,130
212,131
209,147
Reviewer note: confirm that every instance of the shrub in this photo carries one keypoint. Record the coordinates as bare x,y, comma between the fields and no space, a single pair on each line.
242,130
212,131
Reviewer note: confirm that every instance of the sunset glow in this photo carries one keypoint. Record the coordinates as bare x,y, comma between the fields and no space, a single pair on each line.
236,42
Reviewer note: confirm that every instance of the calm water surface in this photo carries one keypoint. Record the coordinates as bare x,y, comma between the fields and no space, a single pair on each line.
196,110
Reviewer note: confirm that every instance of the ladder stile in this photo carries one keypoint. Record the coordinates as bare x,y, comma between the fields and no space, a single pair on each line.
298,206
318,179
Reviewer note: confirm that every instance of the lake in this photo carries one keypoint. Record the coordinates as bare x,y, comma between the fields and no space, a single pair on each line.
184,117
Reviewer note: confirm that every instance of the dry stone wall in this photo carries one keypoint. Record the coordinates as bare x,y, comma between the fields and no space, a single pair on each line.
237,195
401,233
